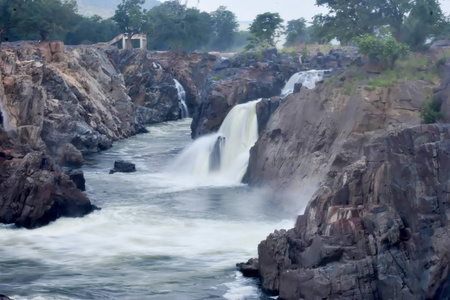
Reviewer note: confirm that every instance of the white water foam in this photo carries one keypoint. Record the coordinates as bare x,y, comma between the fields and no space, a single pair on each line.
181,99
6,121
231,146
307,78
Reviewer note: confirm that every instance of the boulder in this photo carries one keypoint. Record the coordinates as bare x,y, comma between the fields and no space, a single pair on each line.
250,268
77,176
123,166
35,192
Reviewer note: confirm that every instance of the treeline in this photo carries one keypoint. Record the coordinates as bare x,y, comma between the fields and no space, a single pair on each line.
173,26
169,26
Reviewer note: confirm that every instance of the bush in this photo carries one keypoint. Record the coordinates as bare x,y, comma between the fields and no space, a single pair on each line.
430,111
384,52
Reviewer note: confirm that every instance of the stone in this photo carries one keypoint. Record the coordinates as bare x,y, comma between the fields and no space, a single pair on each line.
33,195
123,166
77,176
250,268
364,251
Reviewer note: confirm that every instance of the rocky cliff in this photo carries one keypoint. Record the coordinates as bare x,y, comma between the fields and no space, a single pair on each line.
246,77
68,102
377,226
322,130
149,78
58,103
379,230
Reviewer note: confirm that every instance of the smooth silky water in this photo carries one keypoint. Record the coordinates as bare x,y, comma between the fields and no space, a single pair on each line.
172,230
157,236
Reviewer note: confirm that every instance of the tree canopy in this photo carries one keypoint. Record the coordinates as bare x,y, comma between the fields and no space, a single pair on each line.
407,20
224,26
131,18
265,29
296,32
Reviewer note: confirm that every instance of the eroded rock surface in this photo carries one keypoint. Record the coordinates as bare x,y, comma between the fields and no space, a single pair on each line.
34,192
67,101
239,80
378,230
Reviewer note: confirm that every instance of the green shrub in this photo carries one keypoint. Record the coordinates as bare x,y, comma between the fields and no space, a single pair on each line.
430,111
385,52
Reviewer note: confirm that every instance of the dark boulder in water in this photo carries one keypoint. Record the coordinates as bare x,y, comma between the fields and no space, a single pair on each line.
34,193
77,177
123,166
250,268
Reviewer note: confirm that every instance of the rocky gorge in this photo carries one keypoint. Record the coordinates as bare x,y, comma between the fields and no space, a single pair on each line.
376,221
377,224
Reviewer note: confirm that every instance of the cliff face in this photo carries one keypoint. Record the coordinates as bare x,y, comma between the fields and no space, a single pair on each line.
377,227
379,230
57,104
239,80
149,78
322,130
65,101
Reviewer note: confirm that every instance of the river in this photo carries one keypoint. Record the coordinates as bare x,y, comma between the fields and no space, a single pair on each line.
157,236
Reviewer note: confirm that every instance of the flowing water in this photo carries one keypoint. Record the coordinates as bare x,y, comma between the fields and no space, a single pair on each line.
172,230
306,78
158,236
181,99
4,116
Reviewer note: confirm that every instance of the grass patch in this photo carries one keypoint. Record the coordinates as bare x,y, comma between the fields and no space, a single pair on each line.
215,78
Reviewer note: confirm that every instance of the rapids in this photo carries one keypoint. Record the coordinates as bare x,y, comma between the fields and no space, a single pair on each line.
158,236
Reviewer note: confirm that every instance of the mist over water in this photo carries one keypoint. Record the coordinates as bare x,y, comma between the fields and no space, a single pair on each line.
158,236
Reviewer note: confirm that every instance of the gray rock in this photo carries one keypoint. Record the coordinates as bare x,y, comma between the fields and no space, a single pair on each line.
123,166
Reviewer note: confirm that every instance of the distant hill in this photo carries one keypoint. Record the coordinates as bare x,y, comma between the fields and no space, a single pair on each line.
105,8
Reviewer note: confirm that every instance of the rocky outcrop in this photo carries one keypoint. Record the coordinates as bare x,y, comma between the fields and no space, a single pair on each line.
190,69
335,58
123,166
34,192
246,77
322,130
64,101
377,230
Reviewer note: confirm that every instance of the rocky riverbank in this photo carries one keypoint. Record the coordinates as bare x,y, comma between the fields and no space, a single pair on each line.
377,225
60,102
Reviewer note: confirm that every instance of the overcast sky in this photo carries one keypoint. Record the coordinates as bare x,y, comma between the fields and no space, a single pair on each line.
246,10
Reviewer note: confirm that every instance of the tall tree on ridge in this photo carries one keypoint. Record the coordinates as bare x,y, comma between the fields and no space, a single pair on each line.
131,18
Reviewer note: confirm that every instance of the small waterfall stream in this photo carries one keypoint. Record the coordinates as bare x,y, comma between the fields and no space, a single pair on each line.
181,99
306,78
4,116
223,157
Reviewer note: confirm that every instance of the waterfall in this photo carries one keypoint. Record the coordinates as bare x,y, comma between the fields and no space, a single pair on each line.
156,65
225,154
4,116
181,99
307,78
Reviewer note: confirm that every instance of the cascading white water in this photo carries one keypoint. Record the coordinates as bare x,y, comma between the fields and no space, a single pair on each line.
306,78
223,155
156,65
4,116
181,99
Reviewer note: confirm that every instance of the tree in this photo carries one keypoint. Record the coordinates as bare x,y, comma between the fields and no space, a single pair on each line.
224,26
265,29
175,27
349,18
8,16
296,32
424,20
47,17
131,18
92,30
384,52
